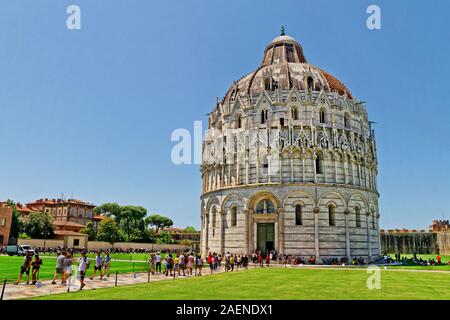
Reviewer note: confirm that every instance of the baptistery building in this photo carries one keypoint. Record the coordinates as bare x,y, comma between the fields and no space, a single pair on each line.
289,164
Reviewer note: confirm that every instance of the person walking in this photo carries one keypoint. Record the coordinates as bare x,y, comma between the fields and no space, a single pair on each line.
83,266
210,261
59,266
107,264
25,268
182,262
98,266
190,263
158,262
169,265
36,265
198,265
67,267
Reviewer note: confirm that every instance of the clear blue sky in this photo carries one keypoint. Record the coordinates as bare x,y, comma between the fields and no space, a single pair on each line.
91,111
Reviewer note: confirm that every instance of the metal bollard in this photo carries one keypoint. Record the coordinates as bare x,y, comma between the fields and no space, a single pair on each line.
148,277
115,284
3,289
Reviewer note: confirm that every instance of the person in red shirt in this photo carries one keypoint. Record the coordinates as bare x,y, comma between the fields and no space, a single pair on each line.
210,262
260,259
438,258
267,259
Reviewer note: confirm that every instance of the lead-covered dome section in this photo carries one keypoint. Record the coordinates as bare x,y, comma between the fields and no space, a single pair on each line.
284,67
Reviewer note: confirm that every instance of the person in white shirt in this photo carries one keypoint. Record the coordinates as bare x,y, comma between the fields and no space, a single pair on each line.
158,262
83,265
98,266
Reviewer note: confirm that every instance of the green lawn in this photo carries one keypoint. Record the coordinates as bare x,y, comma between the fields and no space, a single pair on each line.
445,260
10,267
279,283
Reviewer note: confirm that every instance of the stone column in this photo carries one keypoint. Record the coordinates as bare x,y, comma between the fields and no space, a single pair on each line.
281,230
347,236
206,234
336,171
369,244
280,163
250,231
303,169
316,232
247,232
292,167
314,167
344,165
378,232
222,215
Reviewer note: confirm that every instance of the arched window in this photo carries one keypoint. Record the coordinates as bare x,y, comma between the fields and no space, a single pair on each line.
233,216
298,215
319,163
322,116
331,215
238,122
346,121
214,214
294,113
267,84
358,217
310,83
265,206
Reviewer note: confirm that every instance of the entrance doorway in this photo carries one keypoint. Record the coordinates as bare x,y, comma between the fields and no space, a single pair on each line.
265,237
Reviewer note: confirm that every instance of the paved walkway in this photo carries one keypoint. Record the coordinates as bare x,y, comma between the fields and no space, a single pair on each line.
23,290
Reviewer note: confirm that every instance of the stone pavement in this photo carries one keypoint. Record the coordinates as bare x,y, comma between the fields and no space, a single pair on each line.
23,290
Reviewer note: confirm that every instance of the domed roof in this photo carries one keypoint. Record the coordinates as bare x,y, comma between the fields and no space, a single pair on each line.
283,38
284,67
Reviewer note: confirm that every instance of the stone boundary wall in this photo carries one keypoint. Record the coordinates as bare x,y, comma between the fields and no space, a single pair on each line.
49,243
416,242
443,239
93,245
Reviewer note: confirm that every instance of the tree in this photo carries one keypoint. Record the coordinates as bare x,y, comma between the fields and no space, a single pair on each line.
164,238
108,209
190,229
108,231
159,222
148,236
89,229
39,225
186,242
131,221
